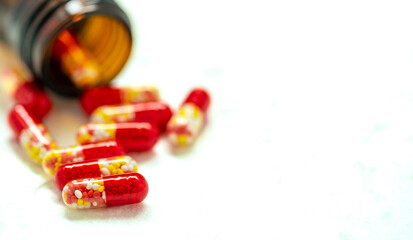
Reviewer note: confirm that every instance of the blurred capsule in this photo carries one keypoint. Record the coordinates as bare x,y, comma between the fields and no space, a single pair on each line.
157,113
95,168
189,120
102,96
25,92
76,62
32,135
57,157
139,136
105,191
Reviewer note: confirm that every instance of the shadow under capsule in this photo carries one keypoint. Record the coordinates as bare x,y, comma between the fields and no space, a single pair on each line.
105,214
142,157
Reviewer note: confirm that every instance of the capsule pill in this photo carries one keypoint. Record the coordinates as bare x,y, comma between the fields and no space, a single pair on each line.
25,92
95,168
58,157
140,136
75,60
105,191
102,96
31,134
157,113
189,120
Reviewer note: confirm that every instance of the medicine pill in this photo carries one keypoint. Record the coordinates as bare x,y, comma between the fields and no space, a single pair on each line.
189,120
102,96
75,60
140,136
95,168
57,157
157,113
105,191
31,134
25,92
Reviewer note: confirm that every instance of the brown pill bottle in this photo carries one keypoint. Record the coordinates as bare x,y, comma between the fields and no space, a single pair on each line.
101,28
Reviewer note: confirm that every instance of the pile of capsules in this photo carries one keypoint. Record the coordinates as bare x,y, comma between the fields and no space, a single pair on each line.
97,172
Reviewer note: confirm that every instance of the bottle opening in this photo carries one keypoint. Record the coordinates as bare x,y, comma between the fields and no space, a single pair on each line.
90,53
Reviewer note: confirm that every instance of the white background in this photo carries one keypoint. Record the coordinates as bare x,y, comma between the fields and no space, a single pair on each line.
310,133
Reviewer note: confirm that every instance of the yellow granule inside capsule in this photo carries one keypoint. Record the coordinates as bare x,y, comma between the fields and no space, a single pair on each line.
197,112
182,113
182,140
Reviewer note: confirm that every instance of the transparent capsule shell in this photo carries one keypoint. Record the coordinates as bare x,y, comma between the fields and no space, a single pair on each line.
186,125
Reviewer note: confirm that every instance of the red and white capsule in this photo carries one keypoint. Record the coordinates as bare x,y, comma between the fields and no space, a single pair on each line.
78,64
103,96
95,168
134,137
188,121
157,113
25,92
105,191
57,157
32,135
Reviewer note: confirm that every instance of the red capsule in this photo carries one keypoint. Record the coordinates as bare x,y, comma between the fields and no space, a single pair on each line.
102,96
107,191
25,92
78,64
139,136
33,98
32,135
189,120
21,119
57,157
158,113
95,168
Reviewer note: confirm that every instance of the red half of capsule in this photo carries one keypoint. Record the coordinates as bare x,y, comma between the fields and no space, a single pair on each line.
20,118
125,189
158,113
73,171
101,96
140,136
33,98
199,97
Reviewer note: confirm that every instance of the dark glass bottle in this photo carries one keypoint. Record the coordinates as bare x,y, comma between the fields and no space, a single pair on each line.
101,27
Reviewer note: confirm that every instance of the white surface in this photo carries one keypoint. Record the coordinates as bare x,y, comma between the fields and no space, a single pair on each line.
310,133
